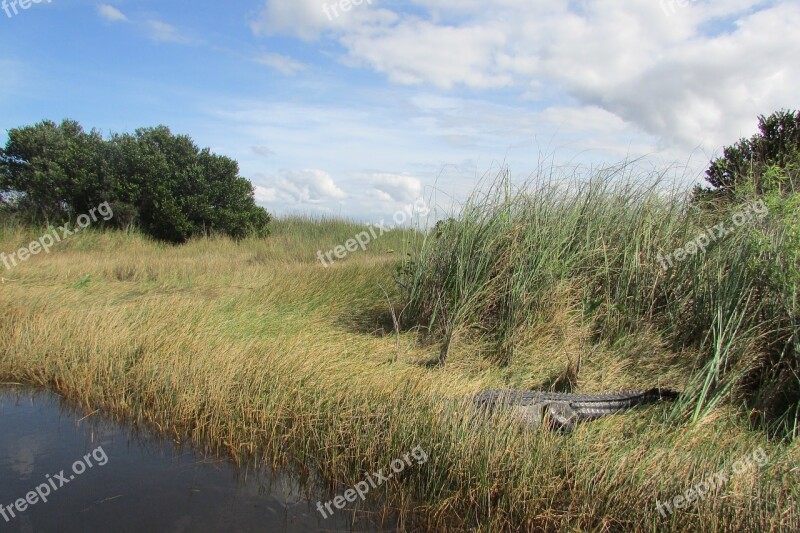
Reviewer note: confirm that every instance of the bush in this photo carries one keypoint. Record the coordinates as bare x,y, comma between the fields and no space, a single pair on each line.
160,182
749,162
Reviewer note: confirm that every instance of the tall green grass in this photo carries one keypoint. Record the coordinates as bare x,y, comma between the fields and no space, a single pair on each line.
596,243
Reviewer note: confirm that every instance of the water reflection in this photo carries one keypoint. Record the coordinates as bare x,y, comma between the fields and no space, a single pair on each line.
147,483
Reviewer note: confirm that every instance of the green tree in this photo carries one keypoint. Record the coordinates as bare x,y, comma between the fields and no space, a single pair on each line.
750,162
59,169
161,182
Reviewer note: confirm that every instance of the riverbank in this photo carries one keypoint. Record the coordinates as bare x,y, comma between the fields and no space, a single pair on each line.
70,471
258,351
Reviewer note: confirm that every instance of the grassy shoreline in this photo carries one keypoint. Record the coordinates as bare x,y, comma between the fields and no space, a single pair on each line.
257,351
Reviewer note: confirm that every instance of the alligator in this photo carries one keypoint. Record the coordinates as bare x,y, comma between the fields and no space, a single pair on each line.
564,410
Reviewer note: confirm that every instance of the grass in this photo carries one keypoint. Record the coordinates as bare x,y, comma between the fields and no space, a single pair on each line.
258,352
601,250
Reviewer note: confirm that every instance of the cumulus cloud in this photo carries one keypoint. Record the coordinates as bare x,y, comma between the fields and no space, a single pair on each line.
307,186
265,194
420,51
687,74
308,19
303,18
395,187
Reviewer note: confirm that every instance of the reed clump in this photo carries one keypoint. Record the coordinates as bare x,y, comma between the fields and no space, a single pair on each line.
711,290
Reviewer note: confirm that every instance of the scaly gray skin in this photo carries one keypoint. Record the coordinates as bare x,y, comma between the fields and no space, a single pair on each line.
565,409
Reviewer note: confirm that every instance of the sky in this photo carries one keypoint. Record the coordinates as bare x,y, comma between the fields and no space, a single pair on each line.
360,108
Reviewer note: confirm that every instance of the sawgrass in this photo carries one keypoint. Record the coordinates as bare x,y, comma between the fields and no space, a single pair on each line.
256,351
720,325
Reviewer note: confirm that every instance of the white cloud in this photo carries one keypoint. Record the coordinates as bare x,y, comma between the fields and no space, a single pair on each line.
303,18
419,51
395,187
307,186
163,32
265,194
262,150
157,30
378,142
111,13
697,75
308,20
283,64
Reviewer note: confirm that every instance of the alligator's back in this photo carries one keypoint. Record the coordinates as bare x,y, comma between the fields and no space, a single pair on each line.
565,409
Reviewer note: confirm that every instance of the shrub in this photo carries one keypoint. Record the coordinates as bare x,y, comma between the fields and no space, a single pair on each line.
160,182
749,162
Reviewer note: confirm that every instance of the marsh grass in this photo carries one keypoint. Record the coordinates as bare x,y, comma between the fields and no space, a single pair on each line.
595,245
255,351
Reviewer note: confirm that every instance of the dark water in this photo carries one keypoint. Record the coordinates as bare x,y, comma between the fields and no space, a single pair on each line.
136,481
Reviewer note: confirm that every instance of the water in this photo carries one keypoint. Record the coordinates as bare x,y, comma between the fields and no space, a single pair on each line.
117,479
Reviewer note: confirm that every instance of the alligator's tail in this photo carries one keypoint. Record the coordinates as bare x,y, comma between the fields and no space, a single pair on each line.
662,395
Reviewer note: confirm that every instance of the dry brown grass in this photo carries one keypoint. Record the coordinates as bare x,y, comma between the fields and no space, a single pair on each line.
257,352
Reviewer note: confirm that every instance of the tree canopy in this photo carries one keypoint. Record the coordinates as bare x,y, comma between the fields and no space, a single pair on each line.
160,182
768,160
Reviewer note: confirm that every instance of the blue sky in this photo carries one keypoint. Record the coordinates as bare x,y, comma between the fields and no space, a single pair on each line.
361,113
